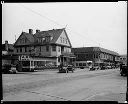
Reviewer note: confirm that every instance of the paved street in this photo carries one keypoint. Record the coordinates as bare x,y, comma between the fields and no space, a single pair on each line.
82,85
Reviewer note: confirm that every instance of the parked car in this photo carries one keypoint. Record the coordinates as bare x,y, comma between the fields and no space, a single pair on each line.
108,67
123,70
103,67
92,68
9,69
113,67
66,69
70,68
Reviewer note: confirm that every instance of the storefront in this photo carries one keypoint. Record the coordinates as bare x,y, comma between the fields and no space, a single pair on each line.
31,63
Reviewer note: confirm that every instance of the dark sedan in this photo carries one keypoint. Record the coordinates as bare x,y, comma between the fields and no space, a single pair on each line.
123,70
66,69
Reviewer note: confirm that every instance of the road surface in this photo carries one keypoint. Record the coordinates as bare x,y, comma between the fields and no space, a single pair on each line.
82,85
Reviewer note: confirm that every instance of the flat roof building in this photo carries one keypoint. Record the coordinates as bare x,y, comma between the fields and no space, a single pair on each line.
96,55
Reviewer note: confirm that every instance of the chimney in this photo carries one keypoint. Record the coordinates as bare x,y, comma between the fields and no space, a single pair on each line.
6,45
37,31
30,31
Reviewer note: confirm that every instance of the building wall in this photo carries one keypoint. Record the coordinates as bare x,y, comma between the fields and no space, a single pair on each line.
63,39
97,57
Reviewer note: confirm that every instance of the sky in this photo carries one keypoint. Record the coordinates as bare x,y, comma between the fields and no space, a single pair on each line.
88,24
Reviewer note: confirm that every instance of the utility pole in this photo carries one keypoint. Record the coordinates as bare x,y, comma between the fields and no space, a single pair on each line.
65,26
15,38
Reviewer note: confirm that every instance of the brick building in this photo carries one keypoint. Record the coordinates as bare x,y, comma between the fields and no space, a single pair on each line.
97,55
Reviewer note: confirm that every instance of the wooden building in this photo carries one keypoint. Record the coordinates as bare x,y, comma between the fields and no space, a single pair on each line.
44,48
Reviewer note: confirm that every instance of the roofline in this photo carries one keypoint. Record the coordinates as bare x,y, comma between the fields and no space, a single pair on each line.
42,45
99,49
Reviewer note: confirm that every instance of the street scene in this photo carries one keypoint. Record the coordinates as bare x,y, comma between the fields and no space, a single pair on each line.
82,85
64,52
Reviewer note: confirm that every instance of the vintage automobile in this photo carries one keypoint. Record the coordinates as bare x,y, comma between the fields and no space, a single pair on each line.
123,70
103,67
9,69
66,69
94,68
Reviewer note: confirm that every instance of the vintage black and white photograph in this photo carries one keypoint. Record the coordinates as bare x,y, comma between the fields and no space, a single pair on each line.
64,51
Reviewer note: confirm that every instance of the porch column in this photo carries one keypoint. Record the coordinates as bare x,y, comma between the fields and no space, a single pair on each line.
44,62
30,65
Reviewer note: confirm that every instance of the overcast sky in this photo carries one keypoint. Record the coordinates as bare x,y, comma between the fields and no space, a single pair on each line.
89,24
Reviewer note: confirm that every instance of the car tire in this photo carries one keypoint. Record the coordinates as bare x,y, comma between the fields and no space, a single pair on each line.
121,74
14,72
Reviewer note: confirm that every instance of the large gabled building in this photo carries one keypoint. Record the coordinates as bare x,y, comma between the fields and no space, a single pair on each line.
44,47
97,55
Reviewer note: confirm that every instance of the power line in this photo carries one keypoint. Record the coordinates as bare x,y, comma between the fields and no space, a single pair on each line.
53,21
83,36
40,14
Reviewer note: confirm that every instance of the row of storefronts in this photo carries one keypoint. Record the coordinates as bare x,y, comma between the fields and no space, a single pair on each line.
96,55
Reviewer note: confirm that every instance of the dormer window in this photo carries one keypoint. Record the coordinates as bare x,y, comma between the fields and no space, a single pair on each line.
43,39
51,38
48,38
23,40
39,40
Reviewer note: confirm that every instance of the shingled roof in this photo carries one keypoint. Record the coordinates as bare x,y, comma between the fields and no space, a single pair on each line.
94,49
55,33
30,37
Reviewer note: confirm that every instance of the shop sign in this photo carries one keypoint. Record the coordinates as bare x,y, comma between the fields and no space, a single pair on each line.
24,57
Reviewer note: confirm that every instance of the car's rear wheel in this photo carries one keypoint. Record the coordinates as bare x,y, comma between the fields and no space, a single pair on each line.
121,74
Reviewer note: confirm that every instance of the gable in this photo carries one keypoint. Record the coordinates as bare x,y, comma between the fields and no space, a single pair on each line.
22,40
63,39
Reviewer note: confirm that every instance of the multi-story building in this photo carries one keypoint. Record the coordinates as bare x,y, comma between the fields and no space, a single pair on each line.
96,54
8,56
44,47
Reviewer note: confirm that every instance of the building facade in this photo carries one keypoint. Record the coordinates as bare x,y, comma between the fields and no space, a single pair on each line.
8,56
97,55
44,47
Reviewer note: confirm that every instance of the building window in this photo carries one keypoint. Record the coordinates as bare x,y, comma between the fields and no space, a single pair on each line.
17,50
53,48
43,40
96,55
20,49
47,48
25,40
61,39
58,49
47,39
66,41
25,49
40,48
